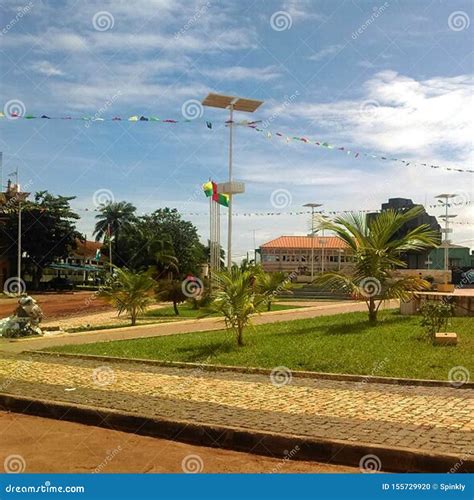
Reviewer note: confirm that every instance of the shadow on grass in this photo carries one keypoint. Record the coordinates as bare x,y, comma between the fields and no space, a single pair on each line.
198,353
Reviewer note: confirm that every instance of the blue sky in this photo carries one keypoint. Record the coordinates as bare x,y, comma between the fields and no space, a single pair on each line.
389,77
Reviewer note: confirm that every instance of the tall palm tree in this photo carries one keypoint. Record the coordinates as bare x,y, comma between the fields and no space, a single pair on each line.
235,296
377,243
130,292
114,217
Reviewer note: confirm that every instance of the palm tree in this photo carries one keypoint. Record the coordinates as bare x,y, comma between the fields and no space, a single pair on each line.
130,292
113,217
235,296
270,284
171,291
377,243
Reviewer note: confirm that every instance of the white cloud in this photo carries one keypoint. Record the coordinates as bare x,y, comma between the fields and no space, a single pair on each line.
400,114
326,52
243,73
46,68
301,10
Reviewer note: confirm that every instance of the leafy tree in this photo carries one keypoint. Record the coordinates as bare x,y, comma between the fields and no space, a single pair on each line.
270,284
130,292
235,296
142,248
171,291
376,246
48,232
117,216
187,249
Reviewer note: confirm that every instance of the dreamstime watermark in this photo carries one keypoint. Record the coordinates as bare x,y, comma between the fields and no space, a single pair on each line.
103,21
281,21
14,108
98,114
369,109
458,376
287,456
377,12
192,464
370,287
109,457
455,468
281,198
193,20
14,464
370,463
14,286
286,103
192,109
102,197
280,376
376,368
103,376
459,20
192,287
21,12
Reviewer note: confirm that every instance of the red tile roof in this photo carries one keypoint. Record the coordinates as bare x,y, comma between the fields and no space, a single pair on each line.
87,249
304,242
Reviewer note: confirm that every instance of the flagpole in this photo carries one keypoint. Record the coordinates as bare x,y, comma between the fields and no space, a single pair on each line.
110,246
19,233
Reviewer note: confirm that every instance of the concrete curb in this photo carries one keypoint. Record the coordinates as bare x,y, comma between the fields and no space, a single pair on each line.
362,379
257,442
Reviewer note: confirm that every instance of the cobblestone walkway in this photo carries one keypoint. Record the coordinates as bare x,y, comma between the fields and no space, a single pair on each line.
426,418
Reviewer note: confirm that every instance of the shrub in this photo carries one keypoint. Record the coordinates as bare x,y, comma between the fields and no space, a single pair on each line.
435,316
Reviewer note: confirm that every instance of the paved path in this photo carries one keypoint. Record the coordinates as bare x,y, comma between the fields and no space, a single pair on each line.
186,326
423,418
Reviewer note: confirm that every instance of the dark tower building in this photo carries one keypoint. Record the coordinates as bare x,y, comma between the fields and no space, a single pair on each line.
414,260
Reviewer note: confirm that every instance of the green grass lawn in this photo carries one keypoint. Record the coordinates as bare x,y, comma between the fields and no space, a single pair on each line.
186,311
343,343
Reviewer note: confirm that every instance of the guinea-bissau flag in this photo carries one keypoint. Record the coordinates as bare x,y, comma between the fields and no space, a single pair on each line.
210,189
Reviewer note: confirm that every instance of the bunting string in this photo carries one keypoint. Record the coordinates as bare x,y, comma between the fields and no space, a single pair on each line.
347,151
245,123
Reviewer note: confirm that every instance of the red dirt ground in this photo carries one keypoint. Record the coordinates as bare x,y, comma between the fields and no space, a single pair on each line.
60,305
64,447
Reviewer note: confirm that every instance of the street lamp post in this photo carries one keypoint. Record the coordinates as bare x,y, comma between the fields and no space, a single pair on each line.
312,206
232,103
444,200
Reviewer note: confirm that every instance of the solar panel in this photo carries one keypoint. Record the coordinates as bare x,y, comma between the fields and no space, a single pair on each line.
224,101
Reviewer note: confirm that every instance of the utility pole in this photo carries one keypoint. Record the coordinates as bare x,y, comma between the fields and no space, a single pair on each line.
231,103
312,206
109,231
444,200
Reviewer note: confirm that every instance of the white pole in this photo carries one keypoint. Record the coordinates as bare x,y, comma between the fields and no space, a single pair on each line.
446,250
312,244
110,247
322,252
229,234
19,232
19,248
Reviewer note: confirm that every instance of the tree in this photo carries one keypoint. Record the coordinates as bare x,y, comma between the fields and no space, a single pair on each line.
142,248
48,232
171,291
270,284
112,220
235,296
130,292
187,248
376,246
